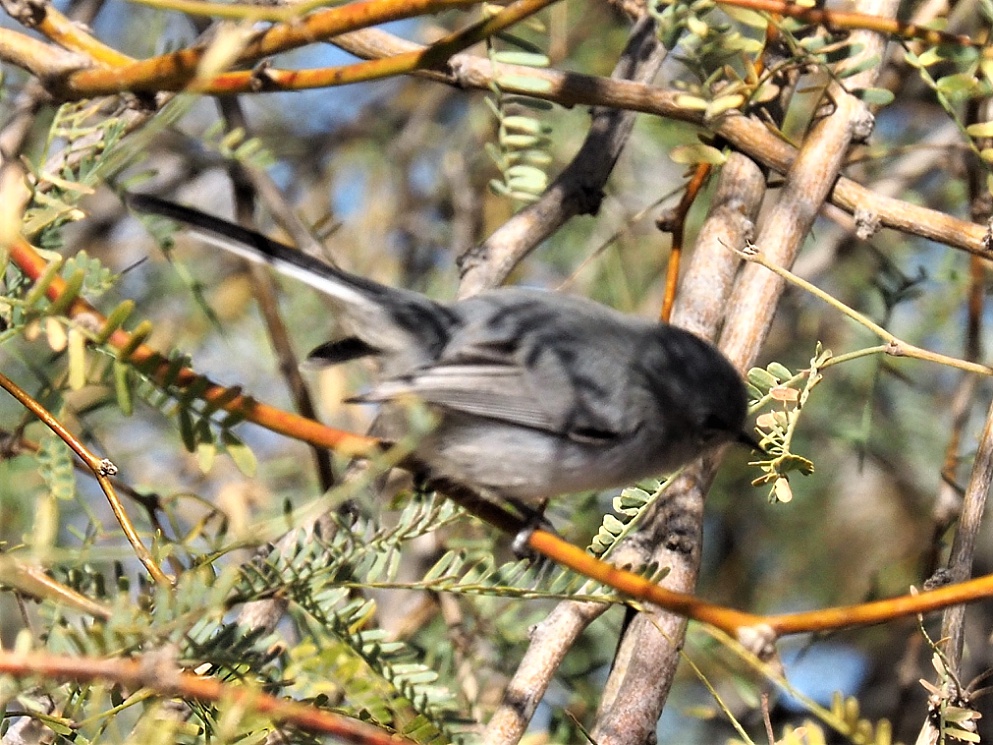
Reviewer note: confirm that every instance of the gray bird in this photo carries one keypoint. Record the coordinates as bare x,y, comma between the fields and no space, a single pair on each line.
536,394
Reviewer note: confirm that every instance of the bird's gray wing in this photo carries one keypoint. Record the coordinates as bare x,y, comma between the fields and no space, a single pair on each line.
486,390
533,350
542,395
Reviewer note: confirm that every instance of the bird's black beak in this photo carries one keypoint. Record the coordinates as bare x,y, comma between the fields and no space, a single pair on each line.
746,439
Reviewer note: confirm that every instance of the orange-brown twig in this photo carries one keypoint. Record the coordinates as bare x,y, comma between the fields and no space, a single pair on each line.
843,20
164,678
865,614
735,622
175,71
675,223
426,58
102,468
184,62
130,348
636,586
70,35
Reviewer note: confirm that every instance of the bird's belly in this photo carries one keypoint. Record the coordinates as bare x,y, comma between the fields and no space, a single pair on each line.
529,465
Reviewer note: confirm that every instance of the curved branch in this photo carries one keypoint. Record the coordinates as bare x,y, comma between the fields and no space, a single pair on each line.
743,133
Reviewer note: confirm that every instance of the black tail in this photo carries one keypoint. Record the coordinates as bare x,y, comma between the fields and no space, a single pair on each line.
256,247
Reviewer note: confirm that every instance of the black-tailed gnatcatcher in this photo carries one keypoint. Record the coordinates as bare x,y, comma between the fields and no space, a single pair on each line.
537,394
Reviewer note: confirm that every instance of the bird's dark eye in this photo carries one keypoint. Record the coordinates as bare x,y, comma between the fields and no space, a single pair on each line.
713,428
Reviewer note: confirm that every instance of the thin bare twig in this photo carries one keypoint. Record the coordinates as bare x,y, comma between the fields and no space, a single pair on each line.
266,298
969,510
102,468
895,346
675,223
162,676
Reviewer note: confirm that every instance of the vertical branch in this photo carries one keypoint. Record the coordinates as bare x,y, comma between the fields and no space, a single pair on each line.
973,503
583,179
964,546
671,535
643,675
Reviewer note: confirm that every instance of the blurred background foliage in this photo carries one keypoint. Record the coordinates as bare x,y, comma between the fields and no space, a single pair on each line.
394,175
